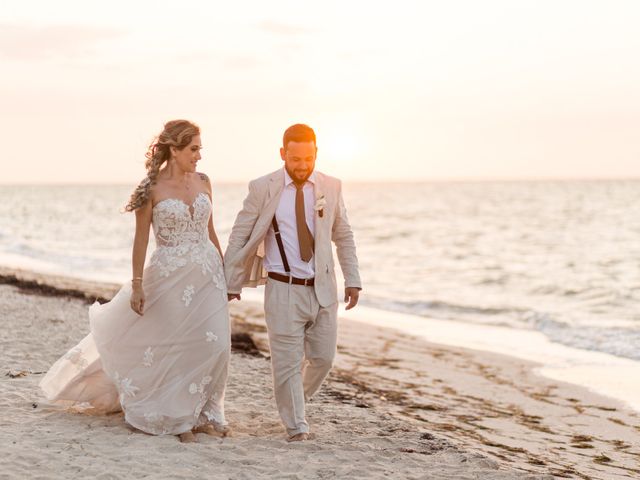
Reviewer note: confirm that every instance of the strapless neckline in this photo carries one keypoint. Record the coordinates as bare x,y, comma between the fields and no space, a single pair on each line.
190,208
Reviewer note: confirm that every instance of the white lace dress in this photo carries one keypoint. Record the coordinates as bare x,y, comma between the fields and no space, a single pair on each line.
168,368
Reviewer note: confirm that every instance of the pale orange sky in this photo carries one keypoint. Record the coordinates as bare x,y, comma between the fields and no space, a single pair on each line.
403,90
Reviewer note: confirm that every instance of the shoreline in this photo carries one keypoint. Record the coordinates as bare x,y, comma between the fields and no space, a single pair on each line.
601,373
461,399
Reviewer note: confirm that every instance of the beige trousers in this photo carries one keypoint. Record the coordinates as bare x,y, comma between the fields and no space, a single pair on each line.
302,340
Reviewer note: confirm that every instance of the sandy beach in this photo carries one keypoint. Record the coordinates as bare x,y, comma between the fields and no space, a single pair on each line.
394,406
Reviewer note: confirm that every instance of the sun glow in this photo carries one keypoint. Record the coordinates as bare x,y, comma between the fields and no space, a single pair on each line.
340,146
341,140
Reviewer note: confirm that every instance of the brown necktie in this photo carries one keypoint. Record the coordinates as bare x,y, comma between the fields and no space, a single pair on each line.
305,239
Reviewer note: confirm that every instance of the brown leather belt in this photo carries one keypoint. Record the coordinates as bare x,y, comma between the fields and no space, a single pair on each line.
296,281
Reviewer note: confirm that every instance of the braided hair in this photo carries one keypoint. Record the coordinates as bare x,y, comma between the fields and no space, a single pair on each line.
176,133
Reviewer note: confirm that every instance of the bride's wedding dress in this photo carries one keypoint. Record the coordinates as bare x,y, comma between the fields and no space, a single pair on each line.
167,369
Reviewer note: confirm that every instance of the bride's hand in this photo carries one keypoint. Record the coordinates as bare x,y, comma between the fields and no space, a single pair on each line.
137,300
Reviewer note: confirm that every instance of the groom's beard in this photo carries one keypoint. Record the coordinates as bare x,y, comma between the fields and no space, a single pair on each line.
299,180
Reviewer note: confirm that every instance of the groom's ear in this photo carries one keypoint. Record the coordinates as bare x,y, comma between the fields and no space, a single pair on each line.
283,153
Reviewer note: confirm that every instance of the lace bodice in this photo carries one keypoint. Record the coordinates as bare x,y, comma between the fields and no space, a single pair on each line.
174,223
182,236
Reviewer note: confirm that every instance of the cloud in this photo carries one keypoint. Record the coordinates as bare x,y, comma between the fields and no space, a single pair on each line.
26,42
213,59
283,28
242,62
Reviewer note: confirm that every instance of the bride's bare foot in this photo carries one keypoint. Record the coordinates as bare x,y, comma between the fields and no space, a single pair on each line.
208,429
299,437
223,430
213,429
187,437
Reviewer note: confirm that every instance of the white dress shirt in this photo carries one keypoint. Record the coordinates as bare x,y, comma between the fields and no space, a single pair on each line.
286,217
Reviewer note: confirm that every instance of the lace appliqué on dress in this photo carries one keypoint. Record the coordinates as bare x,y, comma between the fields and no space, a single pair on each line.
219,280
211,337
193,388
187,295
75,357
147,359
213,411
125,387
204,397
214,415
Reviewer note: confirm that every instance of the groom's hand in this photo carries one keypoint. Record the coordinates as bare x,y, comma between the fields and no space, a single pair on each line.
233,296
351,295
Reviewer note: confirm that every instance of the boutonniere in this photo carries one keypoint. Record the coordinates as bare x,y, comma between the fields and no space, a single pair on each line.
319,206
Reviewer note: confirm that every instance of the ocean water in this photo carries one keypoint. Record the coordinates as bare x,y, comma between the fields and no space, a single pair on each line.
560,258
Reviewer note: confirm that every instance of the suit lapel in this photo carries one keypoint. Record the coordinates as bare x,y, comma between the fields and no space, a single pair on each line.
318,193
274,190
319,222
276,185
319,185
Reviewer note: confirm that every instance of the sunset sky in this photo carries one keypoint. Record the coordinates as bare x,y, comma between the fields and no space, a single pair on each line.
402,90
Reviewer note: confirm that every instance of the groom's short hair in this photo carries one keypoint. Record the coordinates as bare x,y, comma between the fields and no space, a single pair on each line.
298,133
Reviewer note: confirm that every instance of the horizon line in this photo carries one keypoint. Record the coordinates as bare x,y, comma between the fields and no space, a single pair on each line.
364,181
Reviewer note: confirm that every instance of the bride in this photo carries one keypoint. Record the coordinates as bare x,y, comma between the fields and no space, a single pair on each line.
159,350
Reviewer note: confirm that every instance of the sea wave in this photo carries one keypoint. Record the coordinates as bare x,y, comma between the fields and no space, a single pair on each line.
618,341
614,340
496,316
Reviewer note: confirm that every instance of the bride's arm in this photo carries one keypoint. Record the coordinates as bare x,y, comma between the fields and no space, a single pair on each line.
212,231
141,238
140,242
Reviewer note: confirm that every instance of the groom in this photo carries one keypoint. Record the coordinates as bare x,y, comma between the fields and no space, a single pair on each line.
283,236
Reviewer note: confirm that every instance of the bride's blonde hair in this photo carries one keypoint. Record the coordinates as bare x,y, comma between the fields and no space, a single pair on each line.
176,133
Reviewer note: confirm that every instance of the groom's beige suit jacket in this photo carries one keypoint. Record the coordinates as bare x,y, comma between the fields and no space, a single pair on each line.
243,259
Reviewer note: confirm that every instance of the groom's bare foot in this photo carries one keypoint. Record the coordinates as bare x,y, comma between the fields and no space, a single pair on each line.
187,437
298,437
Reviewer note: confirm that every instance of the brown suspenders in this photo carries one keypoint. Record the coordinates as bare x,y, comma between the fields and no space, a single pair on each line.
276,230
